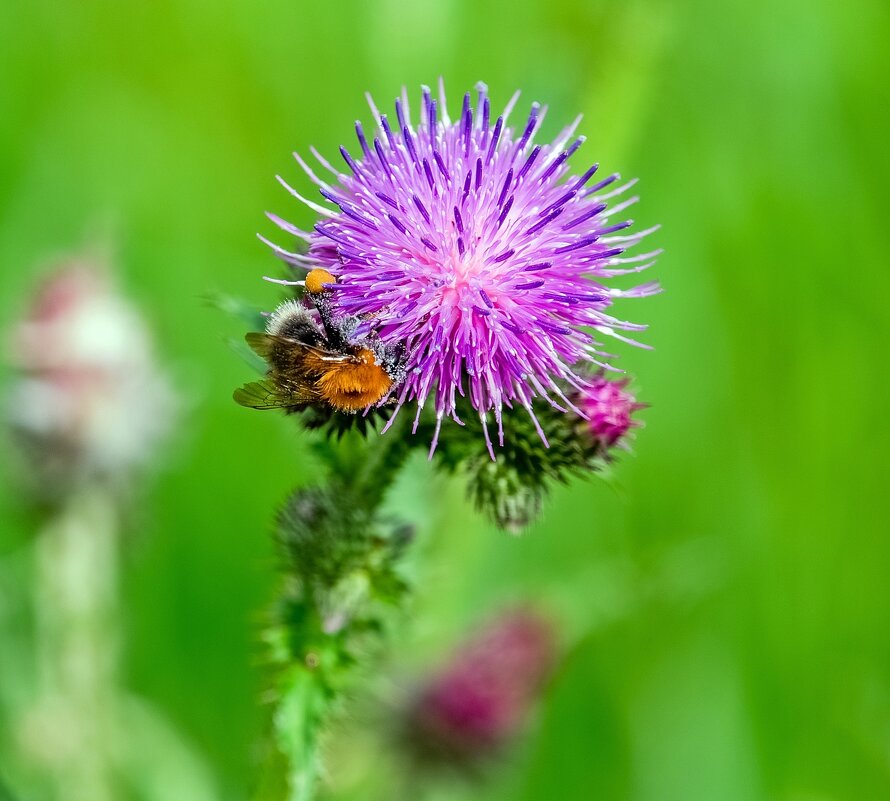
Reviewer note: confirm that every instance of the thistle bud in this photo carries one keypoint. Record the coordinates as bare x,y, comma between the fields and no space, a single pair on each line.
324,534
90,402
470,709
608,407
512,500
341,556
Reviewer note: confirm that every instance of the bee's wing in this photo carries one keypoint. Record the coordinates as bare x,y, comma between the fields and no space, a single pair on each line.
261,344
266,395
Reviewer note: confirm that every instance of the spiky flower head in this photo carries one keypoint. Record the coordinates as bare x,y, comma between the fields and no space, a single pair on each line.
478,249
608,407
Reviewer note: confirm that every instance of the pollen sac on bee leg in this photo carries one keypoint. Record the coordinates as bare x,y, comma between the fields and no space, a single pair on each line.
318,280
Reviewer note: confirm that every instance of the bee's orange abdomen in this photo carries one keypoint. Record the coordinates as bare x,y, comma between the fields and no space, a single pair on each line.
354,385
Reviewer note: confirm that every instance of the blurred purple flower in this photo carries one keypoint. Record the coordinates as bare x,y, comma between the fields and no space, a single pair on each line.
477,249
481,698
607,406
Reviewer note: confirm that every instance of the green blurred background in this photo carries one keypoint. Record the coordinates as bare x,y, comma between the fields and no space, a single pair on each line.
725,596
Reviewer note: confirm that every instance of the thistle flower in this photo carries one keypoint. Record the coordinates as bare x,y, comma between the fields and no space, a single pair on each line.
607,407
90,402
480,699
477,249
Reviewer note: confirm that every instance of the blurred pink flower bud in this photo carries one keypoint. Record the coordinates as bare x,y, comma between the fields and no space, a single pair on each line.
482,697
90,401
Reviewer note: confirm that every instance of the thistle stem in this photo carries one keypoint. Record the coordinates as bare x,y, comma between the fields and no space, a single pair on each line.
323,605
297,723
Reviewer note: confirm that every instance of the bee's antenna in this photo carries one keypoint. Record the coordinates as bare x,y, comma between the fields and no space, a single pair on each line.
283,282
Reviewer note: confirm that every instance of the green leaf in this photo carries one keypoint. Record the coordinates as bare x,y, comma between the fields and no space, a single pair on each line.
238,308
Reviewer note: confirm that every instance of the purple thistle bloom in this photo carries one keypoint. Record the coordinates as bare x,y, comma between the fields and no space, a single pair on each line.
478,249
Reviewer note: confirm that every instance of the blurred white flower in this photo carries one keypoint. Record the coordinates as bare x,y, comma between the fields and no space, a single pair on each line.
90,402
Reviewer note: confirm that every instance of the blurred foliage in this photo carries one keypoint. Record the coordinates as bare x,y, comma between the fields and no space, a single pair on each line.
725,597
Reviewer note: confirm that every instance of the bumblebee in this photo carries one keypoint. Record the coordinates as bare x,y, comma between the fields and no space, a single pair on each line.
314,363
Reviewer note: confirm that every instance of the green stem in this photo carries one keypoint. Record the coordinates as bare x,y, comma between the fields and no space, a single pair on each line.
368,465
76,605
312,657
297,722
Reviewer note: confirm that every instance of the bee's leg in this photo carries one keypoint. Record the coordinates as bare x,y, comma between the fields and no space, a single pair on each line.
333,332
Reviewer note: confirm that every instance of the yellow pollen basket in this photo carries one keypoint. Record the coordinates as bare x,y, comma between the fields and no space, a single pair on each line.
316,279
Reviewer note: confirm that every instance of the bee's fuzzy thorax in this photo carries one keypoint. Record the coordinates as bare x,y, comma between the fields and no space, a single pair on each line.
292,320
